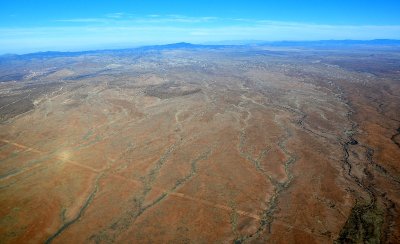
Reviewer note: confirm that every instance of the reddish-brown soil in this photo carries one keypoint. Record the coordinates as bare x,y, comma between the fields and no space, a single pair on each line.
202,146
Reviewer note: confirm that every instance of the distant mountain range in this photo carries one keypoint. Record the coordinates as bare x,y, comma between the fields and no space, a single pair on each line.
220,45
384,42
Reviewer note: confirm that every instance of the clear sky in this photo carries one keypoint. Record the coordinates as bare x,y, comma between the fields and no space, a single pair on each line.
41,25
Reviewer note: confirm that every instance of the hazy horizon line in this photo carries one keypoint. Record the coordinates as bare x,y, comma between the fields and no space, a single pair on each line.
116,30
116,47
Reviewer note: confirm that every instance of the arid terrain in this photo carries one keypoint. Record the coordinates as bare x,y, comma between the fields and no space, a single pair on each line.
201,144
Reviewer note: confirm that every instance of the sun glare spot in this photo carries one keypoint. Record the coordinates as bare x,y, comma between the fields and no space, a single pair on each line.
65,155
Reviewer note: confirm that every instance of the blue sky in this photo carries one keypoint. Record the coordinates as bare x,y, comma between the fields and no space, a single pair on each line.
41,25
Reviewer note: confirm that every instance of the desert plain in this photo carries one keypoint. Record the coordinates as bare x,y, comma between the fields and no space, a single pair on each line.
201,144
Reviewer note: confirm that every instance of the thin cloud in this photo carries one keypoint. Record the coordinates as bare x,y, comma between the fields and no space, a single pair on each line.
117,15
124,18
83,20
159,29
